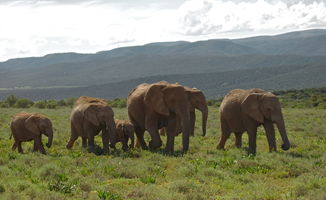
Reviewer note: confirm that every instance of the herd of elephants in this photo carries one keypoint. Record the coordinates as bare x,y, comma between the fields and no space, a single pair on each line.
159,108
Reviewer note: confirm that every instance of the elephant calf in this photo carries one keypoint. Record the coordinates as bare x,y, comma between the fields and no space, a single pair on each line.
30,126
125,131
88,118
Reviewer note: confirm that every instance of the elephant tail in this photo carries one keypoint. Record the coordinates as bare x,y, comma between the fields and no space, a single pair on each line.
10,136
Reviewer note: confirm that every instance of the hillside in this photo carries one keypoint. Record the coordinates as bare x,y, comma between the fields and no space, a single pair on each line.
213,84
291,60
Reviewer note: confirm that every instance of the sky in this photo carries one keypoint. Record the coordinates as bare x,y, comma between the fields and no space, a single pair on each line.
36,28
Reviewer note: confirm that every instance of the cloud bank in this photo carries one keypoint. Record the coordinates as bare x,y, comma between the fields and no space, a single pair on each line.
35,28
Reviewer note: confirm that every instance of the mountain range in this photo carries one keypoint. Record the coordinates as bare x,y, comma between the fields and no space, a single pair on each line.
288,61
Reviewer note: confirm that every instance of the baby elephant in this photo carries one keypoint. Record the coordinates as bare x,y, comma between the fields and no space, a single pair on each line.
125,130
30,126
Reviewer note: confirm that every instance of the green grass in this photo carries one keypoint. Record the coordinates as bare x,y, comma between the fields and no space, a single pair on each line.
203,173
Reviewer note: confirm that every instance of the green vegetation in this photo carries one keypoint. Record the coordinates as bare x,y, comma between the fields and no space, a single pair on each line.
305,98
203,173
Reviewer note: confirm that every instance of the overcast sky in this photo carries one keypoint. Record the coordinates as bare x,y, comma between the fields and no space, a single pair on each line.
36,28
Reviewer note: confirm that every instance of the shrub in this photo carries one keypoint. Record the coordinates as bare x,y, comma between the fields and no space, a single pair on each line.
2,189
148,179
4,105
61,184
40,104
118,103
51,104
11,100
70,101
107,195
61,103
24,103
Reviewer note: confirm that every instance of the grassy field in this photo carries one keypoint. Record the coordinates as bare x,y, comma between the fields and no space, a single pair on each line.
203,173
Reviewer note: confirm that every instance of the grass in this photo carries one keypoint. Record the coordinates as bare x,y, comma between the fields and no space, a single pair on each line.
203,173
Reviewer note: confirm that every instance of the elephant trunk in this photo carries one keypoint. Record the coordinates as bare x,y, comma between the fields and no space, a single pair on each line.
281,127
204,112
50,138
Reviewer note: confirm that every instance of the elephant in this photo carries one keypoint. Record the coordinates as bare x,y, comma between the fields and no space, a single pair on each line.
245,110
89,116
30,126
197,100
153,106
125,131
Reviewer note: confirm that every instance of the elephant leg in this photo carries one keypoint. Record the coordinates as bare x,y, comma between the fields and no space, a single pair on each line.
225,134
72,140
14,146
270,134
252,134
124,141
39,145
238,139
105,142
152,128
140,138
132,139
192,123
19,145
171,133
35,146
84,142
73,137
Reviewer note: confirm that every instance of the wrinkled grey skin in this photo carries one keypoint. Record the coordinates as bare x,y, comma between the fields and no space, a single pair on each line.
245,110
30,126
88,117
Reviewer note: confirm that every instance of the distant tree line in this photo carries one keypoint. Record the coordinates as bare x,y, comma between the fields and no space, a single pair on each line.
14,102
305,98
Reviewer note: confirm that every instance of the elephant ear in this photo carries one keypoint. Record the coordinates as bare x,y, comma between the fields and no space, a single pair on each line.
250,105
90,114
31,124
154,99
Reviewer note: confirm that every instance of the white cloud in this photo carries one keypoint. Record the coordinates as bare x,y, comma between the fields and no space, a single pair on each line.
40,27
210,17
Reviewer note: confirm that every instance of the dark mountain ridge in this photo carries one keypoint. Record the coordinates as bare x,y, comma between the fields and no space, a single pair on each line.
176,61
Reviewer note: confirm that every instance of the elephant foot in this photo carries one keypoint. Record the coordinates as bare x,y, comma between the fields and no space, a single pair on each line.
220,147
106,151
91,149
285,147
112,146
252,152
155,145
68,146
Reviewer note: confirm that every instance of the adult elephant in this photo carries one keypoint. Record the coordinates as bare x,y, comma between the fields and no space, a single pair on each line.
197,100
151,104
30,126
245,110
88,117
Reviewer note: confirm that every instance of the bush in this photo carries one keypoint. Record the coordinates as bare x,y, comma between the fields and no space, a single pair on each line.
118,103
62,103
11,100
4,105
107,195
51,104
61,184
24,103
40,104
70,101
